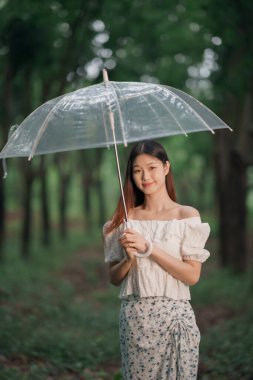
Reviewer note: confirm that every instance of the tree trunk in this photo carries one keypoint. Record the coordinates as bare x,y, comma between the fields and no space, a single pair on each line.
202,188
232,159
63,164
62,210
46,236
2,217
99,188
6,99
232,190
87,184
27,207
63,200
101,201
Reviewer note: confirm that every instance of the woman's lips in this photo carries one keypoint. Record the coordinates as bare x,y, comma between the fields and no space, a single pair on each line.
147,184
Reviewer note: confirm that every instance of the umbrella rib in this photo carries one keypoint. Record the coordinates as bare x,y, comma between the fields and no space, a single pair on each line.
42,130
152,108
195,113
104,123
173,117
209,110
120,115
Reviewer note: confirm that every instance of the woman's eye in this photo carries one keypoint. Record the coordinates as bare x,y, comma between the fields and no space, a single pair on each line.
153,167
136,171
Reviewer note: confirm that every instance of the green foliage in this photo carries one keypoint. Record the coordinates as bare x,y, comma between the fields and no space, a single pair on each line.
221,287
226,351
46,319
47,47
226,345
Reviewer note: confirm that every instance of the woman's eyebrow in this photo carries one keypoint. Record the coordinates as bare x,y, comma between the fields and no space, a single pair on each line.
149,163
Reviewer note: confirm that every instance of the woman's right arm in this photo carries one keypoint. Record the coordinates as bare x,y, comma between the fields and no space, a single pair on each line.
119,270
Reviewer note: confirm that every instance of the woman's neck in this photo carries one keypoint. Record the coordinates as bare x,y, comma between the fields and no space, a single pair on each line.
158,202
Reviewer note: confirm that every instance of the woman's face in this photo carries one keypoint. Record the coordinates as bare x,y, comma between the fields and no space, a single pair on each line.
149,173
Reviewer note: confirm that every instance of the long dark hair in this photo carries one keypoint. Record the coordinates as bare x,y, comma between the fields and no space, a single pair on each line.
133,196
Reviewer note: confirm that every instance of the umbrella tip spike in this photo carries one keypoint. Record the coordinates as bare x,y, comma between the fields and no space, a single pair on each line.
105,76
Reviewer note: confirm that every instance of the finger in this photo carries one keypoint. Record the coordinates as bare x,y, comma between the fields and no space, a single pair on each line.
123,235
130,231
125,241
127,237
125,244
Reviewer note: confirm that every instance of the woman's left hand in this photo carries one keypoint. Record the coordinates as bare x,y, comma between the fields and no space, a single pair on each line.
133,239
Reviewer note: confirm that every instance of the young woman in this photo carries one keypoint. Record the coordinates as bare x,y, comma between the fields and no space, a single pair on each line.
155,257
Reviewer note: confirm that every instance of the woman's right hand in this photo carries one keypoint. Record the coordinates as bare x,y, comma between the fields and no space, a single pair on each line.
130,251
133,242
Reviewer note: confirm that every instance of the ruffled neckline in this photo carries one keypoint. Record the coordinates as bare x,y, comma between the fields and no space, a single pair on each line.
166,220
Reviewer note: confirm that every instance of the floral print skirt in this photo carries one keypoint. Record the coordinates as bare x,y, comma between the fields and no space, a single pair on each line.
159,339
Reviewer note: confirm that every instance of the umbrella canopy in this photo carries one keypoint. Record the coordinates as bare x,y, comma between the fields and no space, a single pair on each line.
108,114
81,119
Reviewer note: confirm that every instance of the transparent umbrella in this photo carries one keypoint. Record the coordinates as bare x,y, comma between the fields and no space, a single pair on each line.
108,114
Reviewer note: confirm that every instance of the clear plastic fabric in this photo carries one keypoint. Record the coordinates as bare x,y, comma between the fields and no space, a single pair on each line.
81,119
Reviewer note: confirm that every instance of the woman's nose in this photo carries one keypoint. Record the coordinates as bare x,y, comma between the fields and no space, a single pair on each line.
145,175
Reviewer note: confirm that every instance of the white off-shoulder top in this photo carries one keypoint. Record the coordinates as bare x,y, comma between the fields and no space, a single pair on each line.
182,238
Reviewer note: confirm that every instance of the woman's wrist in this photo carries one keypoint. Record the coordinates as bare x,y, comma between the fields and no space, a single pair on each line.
129,259
149,249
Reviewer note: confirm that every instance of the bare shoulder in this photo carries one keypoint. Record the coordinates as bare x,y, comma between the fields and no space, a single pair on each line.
188,212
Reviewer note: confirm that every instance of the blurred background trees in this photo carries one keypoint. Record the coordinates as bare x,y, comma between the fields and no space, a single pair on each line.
52,47
52,209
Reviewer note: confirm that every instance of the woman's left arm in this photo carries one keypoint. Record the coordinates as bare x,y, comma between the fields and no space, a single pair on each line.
187,271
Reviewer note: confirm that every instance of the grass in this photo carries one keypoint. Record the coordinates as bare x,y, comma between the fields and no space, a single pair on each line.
224,311
55,321
227,351
59,317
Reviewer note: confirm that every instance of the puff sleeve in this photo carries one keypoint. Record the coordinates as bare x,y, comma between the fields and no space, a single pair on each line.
112,249
194,240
